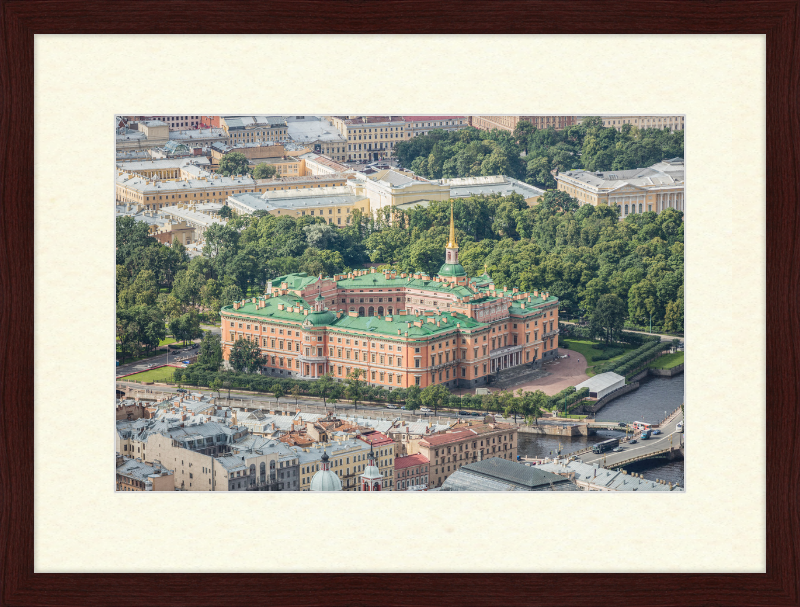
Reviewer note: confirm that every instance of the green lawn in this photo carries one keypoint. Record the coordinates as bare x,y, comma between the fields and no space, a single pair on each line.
667,361
159,374
166,341
584,346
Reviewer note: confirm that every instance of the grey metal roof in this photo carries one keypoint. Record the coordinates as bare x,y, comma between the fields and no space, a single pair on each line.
162,163
309,131
601,381
192,134
496,184
138,470
302,200
315,453
666,173
512,472
462,480
394,178
251,443
611,479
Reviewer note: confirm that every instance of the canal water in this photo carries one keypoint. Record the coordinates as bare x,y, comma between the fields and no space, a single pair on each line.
647,403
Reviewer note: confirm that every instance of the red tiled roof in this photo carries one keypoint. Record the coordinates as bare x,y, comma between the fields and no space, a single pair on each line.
450,437
376,439
410,460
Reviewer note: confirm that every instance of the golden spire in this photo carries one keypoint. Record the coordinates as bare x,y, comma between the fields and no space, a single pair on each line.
451,244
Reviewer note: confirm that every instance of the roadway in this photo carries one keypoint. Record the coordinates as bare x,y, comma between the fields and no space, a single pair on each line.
161,359
154,361
288,403
668,437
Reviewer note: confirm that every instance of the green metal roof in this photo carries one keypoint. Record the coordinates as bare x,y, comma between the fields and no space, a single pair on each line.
321,319
270,310
296,281
379,324
452,269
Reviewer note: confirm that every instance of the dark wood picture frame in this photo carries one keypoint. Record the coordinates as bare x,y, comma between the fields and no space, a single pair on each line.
20,20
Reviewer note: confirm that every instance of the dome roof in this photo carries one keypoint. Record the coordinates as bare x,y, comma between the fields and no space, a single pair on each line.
326,480
452,269
372,471
326,317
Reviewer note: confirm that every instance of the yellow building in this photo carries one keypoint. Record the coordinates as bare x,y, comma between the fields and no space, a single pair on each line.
199,186
163,168
673,123
335,204
347,458
253,129
509,123
371,137
635,191
393,188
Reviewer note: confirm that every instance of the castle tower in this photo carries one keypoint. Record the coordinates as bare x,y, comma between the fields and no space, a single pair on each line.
452,271
371,478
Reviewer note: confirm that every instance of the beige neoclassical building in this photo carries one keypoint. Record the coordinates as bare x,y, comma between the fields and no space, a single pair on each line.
635,191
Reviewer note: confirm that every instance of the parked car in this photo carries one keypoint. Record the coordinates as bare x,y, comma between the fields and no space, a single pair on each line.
622,424
404,408
477,414
182,391
391,406
633,441
426,410
656,431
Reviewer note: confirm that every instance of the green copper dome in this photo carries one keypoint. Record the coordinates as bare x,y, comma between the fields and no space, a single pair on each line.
317,319
452,269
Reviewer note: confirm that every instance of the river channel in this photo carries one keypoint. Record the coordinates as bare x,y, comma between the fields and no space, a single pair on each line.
648,403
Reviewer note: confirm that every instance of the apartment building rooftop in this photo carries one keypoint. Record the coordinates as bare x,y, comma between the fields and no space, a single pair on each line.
410,460
189,214
193,134
314,129
528,478
141,471
613,480
162,163
242,122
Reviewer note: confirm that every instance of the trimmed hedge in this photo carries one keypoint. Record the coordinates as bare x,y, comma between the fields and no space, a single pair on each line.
638,357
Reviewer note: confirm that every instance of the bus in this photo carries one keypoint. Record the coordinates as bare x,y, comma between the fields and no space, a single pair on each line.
606,445
641,426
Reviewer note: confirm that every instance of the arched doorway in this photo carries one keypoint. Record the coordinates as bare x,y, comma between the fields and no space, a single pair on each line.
390,312
371,311
380,310
361,311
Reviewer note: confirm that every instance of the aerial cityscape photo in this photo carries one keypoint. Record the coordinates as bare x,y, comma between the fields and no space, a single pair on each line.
399,303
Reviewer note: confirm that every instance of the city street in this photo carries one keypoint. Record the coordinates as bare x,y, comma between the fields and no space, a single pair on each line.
287,403
155,361
668,437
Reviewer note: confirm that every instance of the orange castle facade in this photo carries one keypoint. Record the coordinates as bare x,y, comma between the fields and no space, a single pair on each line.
399,329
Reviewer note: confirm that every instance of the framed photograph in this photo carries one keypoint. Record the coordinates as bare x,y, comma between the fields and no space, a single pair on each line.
74,535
